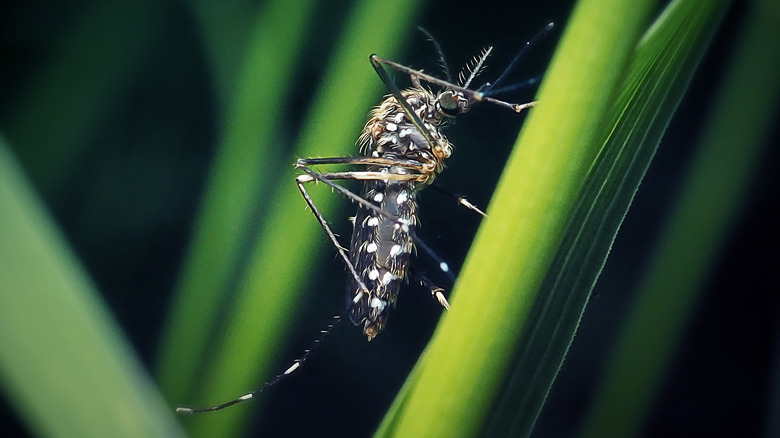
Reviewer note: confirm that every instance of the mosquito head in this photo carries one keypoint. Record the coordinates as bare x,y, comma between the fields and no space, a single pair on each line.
451,103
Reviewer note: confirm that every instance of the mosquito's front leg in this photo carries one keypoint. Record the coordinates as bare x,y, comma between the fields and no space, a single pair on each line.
326,178
414,165
416,75
396,92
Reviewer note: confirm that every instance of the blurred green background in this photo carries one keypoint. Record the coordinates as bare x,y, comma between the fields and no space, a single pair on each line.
117,111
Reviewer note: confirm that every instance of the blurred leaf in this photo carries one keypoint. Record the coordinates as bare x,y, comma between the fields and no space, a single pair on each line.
225,27
64,364
89,66
240,180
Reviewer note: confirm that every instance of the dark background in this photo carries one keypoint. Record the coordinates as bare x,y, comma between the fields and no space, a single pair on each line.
153,146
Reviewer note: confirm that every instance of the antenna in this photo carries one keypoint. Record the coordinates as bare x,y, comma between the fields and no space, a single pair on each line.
442,60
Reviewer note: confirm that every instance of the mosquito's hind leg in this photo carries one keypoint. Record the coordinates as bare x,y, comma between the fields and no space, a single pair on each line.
461,200
436,291
279,377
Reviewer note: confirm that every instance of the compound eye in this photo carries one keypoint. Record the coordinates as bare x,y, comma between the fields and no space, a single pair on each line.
448,104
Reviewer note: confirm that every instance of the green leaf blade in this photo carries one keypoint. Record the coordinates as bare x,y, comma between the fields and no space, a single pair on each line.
64,363
238,182
696,229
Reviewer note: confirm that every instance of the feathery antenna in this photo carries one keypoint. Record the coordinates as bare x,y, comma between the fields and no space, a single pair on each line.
475,67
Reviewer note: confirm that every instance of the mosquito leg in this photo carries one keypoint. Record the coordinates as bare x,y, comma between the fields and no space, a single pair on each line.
311,175
326,178
279,377
340,249
466,203
443,266
516,60
436,291
396,92
476,96
362,175
323,334
378,161
376,61
459,199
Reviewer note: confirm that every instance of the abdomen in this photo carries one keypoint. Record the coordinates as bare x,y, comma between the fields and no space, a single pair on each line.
380,250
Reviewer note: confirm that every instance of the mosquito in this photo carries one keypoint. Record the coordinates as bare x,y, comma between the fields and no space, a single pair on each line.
403,150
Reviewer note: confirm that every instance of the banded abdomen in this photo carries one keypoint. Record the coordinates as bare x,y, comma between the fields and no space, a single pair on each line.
380,249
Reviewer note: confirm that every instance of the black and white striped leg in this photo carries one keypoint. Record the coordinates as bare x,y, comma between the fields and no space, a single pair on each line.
323,334
461,200
368,161
443,266
279,377
416,76
326,178
436,291
299,181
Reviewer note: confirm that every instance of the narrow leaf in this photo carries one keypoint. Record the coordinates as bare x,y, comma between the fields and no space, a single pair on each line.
64,364
696,231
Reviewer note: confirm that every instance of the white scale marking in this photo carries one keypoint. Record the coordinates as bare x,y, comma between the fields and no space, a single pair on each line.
395,250
371,247
387,278
403,224
372,221
292,368
401,198
377,303
379,197
373,274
